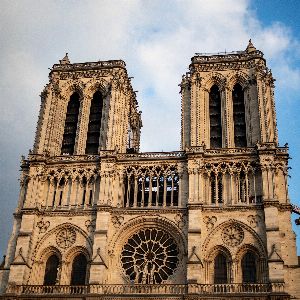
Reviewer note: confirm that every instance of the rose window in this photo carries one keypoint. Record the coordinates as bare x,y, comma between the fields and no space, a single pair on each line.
233,235
65,238
150,256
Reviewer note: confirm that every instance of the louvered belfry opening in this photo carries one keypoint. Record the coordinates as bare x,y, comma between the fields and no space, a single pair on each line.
239,116
51,270
215,117
71,121
249,268
79,267
93,135
220,269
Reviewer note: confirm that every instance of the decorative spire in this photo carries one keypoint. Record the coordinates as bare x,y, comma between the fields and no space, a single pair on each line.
65,60
250,48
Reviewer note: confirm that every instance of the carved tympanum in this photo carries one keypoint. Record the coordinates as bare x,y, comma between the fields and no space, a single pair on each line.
65,238
232,235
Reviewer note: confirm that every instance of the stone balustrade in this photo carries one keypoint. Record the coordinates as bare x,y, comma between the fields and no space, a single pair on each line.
150,289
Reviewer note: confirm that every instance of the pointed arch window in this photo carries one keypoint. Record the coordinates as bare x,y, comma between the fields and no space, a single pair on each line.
249,268
220,269
52,266
79,267
71,121
240,139
215,117
93,134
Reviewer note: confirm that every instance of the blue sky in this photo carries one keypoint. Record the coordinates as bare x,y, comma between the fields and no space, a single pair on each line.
286,13
156,39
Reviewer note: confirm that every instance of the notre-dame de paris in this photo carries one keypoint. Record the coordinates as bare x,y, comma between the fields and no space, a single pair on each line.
98,219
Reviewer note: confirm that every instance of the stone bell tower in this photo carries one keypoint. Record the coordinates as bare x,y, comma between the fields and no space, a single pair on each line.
239,76
86,109
235,165
83,100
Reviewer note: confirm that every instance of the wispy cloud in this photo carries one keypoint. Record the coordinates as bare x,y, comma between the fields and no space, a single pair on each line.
155,38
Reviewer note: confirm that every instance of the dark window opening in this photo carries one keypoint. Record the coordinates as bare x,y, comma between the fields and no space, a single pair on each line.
93,135
146,191
54,196
131,191
157,190
60,198
51,270
240,139
160,190
154,190
60,187
84,184
175,190
242,188
79,268
91,197
249,268
83,197
69,136
169,191
220,269
140,192
215,118
216,188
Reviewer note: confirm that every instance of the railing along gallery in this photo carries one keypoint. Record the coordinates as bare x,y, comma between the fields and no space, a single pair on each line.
154,289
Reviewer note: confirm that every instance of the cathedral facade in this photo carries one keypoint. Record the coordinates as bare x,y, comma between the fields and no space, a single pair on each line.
97,219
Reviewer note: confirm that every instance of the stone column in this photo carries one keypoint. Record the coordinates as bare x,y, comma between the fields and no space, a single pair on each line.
261,109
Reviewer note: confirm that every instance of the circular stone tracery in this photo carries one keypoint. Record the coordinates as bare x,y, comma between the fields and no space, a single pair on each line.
232,235
150,256
65,238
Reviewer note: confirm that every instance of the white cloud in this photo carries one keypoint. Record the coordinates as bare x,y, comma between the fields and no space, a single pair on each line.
156,39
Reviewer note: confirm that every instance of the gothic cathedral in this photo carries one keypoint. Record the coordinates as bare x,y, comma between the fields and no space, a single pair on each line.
97,219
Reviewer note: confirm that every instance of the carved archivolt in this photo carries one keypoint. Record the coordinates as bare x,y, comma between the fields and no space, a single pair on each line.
70,87
233,233
101,85
69,234
214,78
237,77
